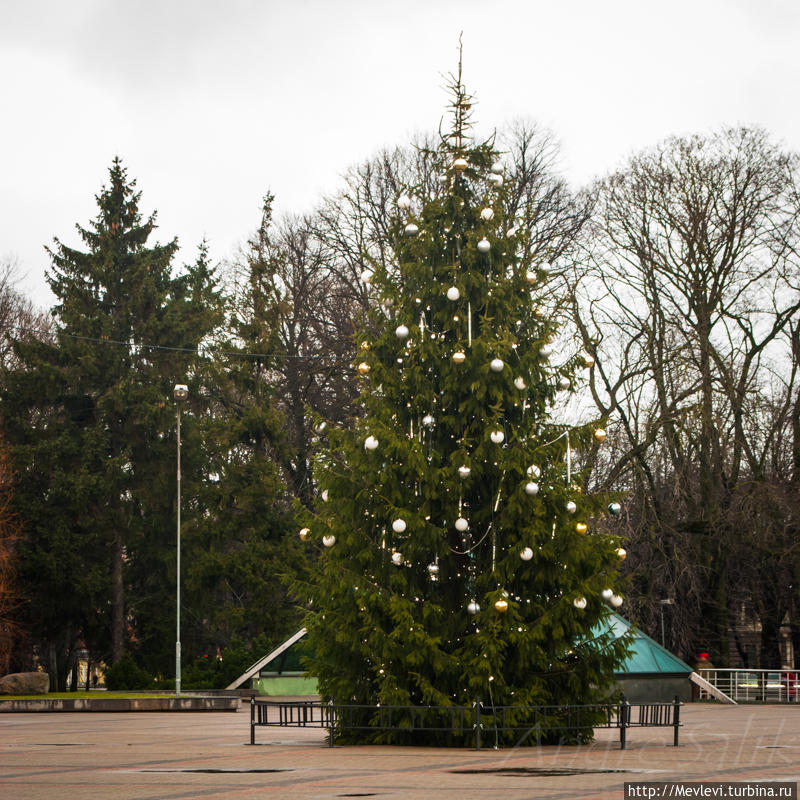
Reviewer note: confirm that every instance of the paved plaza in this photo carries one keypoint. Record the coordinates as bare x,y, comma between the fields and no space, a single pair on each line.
162,756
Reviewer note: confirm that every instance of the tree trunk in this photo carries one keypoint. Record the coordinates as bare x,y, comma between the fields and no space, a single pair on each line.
117,603
770,651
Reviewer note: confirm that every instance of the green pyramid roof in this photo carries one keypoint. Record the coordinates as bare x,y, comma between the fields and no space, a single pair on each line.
647,657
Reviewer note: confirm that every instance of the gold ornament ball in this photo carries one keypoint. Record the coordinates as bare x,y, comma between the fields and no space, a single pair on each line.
621,552
588,361
501,605
304,532
460,164
581,527
363,368
365,345
600,435
459,357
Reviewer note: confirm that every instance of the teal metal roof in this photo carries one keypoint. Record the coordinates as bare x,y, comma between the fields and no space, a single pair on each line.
646,656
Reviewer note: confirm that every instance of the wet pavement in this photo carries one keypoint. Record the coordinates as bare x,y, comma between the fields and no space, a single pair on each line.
165,756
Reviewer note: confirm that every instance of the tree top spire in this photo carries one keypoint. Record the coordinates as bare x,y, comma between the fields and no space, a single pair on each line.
461,106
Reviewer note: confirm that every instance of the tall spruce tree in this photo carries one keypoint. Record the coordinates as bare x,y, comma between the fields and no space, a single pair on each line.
90,424
240,545
459,557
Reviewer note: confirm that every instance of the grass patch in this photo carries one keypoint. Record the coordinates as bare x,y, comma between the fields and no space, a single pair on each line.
89,695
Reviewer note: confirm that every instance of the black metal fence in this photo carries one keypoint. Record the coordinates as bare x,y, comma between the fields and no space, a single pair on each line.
468,723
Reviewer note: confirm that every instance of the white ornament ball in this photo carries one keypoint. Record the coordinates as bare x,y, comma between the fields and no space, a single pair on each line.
564,384
497,180
428,422
614,508
607,594
370,443
526,554
530,277
519,382
484,246
397,559
579,602
497,437
399,525
497,168
433,570
404,202
459,357
411,229
534,471
531,488
366,276
571,507
545,351
329,541
461,524
401,331
497,365
463,471
487,215
324,495
616,601
453,293
473,607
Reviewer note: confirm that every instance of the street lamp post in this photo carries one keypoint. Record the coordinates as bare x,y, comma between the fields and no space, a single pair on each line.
180,393
662,603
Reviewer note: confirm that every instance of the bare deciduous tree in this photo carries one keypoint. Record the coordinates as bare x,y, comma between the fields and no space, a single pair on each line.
689,303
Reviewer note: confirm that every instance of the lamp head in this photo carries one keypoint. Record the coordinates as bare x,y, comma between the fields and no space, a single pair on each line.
181,391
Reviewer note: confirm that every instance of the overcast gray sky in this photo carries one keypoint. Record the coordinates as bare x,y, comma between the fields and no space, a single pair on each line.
210,104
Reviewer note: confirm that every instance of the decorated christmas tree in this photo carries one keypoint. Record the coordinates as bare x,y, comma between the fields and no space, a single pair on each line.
459,558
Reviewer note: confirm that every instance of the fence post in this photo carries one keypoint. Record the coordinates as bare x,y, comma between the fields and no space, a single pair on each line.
676,718
330,722
622,716
252,719
477,723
